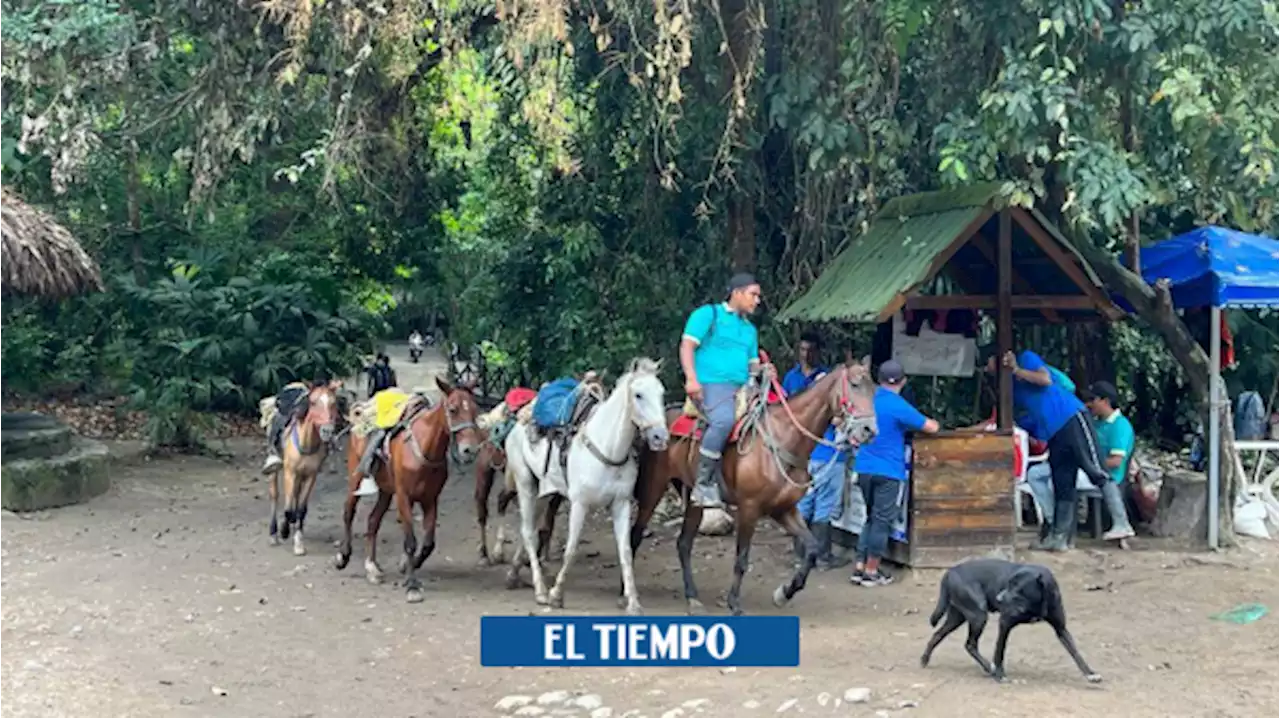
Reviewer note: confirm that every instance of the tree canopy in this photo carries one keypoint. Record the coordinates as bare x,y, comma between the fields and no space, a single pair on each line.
272,187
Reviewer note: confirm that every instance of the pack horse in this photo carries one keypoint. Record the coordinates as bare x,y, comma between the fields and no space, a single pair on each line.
596,466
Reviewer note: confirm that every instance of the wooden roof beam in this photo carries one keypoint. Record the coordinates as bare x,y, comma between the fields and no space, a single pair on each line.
1065,262
1019,282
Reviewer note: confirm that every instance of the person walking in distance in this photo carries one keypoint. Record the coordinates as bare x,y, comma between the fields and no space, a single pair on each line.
882,471
719,353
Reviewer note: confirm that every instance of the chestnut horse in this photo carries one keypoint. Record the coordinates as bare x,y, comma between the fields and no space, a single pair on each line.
416,473
765,474
491,463
306,445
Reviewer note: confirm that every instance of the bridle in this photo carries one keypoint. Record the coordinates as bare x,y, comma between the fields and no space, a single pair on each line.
453,429
641,425
295,435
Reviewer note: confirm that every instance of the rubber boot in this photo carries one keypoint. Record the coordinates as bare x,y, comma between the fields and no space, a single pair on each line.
368,487
1064,518
706,494
1046,527
826,559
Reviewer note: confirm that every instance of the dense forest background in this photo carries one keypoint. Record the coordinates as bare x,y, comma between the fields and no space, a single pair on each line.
275,187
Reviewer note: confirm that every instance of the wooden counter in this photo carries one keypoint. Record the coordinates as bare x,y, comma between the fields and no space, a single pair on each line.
960,501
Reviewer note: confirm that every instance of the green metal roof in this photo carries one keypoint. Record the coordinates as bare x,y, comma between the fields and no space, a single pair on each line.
902,250
894,256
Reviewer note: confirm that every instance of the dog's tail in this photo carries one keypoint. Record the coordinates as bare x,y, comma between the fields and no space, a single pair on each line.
941,608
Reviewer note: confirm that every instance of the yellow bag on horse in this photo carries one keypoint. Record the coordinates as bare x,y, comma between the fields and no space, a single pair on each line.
383,411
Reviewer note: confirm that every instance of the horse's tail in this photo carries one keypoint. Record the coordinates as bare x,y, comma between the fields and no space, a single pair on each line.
943,600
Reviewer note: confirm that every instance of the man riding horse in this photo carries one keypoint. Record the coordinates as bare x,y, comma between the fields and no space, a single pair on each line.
719,353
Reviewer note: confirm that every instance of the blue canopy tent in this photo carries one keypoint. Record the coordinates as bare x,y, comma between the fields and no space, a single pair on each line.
1217,268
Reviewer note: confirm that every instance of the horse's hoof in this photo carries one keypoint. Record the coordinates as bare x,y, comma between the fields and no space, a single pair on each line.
924,661
299,549
635,610
540,599
780,596
404,564
340,561
1094,678
696,608
497,554
413,595
557,600
373,572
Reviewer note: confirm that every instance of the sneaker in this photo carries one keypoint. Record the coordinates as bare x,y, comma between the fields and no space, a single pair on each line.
272,463
1117,534
367,487
871,580
857,577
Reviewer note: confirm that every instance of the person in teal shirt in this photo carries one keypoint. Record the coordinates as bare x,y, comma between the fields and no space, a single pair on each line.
719,352
1115,443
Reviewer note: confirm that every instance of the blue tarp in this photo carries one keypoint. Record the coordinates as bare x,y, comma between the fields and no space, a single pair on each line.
1213,266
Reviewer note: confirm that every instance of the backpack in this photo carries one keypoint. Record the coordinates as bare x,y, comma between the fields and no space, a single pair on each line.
555,403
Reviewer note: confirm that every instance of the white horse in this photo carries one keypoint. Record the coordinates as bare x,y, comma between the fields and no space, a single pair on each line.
602,468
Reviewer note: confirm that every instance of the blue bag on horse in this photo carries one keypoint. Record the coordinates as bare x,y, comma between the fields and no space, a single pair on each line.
555,403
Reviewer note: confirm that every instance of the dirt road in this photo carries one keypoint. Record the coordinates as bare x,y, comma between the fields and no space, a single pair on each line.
163,598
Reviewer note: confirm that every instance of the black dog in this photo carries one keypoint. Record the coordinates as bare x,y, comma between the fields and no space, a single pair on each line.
1020,593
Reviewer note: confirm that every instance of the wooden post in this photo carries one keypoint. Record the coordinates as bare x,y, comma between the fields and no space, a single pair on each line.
1004,316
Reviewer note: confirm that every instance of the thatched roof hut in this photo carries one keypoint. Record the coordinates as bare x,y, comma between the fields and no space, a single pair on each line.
40,257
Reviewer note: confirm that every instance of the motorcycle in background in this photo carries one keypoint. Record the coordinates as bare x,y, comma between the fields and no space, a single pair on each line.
416,346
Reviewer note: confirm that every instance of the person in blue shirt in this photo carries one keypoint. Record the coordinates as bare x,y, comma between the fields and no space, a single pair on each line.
808,368
828,466
882,471
719,352
1115,443
1051,413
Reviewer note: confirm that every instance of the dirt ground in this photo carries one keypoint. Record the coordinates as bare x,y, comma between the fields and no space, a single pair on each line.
163,598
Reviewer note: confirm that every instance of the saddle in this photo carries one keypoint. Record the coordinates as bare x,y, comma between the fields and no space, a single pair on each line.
692,422
591,393
390,410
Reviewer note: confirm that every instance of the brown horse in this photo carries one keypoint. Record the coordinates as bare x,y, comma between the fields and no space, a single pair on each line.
765,474
416,473
306,445
491,463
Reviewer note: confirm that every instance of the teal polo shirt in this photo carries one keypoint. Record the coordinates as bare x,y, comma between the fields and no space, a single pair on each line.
727,344
1115,438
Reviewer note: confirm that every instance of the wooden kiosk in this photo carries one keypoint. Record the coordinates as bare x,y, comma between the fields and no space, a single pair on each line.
1009,260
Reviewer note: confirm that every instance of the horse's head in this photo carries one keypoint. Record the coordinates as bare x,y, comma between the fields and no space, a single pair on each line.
646,396
852,395
460,412
322,409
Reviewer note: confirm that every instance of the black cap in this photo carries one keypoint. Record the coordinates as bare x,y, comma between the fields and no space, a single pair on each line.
891,373
740,280
1102,390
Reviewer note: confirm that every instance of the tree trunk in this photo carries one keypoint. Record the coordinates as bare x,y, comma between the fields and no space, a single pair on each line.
1155,306
741,225
134,208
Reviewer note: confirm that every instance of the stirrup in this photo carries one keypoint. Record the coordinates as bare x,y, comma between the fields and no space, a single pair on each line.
367,487
272,463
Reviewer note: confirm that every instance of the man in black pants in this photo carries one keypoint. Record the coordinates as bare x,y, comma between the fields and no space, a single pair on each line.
1051,413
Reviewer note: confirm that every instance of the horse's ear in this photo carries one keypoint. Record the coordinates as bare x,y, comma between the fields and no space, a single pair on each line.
865,361
336,384
444,385
657,366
